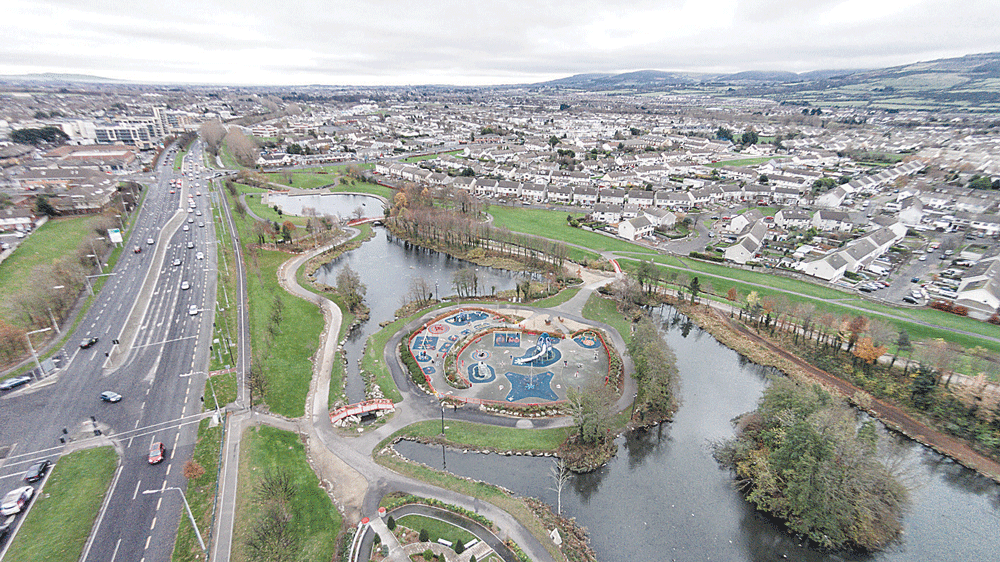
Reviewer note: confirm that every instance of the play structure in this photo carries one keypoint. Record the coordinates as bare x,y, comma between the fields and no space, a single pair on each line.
542,354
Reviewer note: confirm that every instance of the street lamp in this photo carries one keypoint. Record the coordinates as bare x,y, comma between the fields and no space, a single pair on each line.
188,507
27,336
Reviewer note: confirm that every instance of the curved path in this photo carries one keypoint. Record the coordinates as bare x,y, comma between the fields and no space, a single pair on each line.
345,464
398,553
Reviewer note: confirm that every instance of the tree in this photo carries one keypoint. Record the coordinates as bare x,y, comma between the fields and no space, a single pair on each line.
212,132
43,207
424,535
350,287
695,288
732,295
902,344
591,409
37,136
242,147
922,387
749,137
553,141
390,523
723,133
560,475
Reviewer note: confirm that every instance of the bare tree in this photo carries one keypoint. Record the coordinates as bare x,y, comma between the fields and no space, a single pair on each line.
242,147
560,475
212,132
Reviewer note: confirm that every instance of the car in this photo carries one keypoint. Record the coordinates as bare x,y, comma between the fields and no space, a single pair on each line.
193,310
199,256
172,191
14,382
88,343
914,280
109,396
190,244
15,500
197,213
922,258
156,453
6,526
201,224
150,241
137,249
176,262
190,220
37,470
198,193
866,288
909,300
185,285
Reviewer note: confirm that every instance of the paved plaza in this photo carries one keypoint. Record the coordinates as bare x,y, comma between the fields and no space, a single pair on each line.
500,359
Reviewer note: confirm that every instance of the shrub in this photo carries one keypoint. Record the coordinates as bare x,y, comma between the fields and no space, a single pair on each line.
424,536
391,523
428,555
459,546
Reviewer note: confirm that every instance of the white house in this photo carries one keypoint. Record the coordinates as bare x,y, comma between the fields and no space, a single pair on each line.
636,228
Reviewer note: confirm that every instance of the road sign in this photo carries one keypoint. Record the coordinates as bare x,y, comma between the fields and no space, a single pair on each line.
115,235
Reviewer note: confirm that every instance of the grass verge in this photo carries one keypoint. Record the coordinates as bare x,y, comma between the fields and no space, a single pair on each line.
436,529
313,523
557,299
605,310
62,517
553,225
201,490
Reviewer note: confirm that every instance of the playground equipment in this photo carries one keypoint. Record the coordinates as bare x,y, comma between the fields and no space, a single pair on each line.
543,347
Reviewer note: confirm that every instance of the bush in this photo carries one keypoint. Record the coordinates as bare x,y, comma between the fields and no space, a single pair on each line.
424,536
459,546
428,555
391,523
707,257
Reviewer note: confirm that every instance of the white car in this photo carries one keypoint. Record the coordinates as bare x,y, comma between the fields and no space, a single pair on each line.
15,500
186,228
193,310
150,241
200,255
185,285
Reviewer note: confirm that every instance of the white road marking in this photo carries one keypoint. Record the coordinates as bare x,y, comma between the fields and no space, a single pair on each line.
115,553
136,492
147,543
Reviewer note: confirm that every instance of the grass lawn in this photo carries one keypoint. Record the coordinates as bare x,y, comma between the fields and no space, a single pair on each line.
225,298
55,239
744,162
605,310
304,180
64,512
201,491
282,348
553,225
466,434
436,528
253,199
557,299
314,521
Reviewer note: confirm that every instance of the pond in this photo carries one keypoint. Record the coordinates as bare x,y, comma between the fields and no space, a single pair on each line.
344,205
387,266
663,497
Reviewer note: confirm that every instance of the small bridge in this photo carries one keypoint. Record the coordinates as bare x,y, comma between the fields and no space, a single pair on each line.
361,408
375,220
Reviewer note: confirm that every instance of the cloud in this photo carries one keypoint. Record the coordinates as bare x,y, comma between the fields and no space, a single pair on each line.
459,42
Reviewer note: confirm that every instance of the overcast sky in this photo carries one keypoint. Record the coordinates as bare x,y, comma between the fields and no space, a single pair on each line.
470,42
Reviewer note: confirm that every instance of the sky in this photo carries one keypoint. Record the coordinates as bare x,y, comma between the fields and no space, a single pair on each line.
477,42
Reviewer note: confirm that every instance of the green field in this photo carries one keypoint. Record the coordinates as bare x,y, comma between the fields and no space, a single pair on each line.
466,434
605,310
365,187
553,225
313,522
64,511
436,529
55,239
557,299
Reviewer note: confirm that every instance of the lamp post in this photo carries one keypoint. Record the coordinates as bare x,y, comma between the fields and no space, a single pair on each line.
190,516
34,355
121,223
94,248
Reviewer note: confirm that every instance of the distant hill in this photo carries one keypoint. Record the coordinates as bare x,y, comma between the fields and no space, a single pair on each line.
641,79
54,77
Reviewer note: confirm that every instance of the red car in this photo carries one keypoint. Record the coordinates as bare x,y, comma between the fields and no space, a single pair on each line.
137,249
156,453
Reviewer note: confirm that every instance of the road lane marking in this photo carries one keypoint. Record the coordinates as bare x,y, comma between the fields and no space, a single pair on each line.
169,466
158,502
136,492
117,544
150,537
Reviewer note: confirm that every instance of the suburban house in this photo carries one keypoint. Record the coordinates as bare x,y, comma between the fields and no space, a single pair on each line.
979,290
857,255
792,218
636,228
830,221
606,213
749,245
660,217
740,223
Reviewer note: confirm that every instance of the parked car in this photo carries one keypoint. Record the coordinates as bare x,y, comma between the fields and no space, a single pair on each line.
37,470
88,343
5,527
15,500
909,300
109,396
156,453
914,280
14,382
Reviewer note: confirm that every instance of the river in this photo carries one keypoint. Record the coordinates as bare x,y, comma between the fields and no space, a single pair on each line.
663,497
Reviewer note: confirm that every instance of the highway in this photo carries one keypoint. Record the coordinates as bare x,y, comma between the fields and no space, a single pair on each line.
159,369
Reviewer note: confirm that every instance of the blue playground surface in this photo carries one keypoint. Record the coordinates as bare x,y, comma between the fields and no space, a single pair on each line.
481,373
506,339
531,386
466,317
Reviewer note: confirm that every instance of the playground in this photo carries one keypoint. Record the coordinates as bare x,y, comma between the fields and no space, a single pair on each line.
493,358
